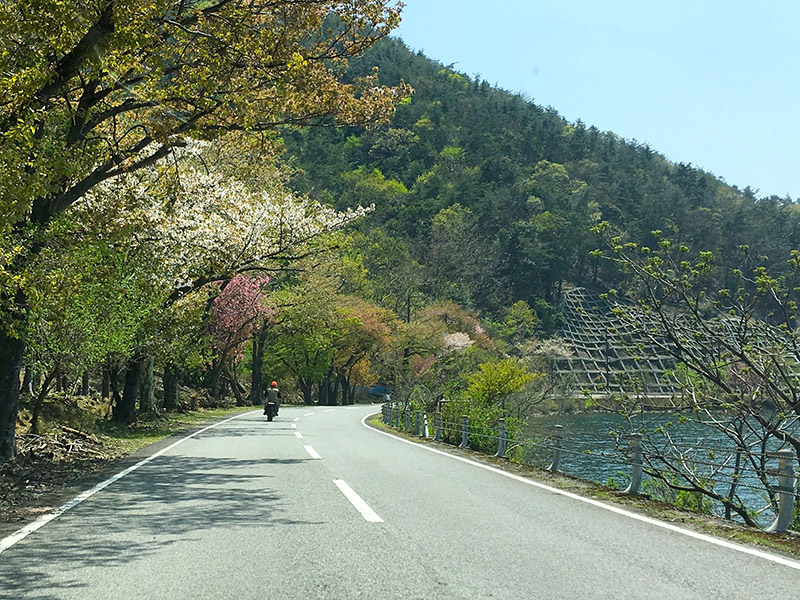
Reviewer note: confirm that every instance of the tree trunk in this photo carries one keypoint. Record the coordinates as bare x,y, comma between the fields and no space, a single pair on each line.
171,387
85,383
105,390
259,340
125,408
27,382
333,390
37,407
322,396
59,380
305,387
345,385
12,353
235,386
216,380
113,381
147,393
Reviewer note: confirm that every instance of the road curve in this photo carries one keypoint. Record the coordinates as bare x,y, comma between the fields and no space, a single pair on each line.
315,505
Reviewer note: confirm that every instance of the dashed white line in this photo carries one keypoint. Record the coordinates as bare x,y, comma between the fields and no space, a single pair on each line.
294,425
308,414
296,419
312,452
329,410
298,434
356,500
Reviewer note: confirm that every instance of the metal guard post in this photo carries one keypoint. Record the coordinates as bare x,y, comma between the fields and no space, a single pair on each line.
501,435
636,464
464,431
785,492
557,436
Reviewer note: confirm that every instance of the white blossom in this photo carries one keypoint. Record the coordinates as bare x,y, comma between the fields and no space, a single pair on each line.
198,223
456,342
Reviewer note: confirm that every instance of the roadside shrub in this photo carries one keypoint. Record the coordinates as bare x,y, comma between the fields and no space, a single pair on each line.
483,428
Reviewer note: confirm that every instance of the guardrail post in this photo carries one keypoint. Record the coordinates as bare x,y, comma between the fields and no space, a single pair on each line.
397,417
464,431
425,432
501,438
556,436
417,423
408,420
635,455
385,411
785,492
438,435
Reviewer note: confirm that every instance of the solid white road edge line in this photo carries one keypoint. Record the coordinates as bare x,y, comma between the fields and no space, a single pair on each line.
356,500
312,452
298,434
15,537
615,509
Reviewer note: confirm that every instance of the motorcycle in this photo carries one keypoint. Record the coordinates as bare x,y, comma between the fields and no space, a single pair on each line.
271,409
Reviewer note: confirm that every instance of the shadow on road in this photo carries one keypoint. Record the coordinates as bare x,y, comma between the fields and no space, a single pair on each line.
172,499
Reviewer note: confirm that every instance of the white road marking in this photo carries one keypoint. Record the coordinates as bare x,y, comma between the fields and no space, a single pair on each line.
298,418
294,425
15,537
329,410
298,434
308,414
312,452
615,509
356,500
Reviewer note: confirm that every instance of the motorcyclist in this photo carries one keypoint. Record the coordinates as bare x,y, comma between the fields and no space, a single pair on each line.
273,394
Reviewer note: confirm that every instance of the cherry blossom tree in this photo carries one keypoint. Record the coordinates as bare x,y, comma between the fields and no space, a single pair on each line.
237,311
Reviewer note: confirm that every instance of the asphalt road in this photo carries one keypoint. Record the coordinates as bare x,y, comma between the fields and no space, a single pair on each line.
316,505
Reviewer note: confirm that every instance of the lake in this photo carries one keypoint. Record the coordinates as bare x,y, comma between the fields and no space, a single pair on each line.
590,451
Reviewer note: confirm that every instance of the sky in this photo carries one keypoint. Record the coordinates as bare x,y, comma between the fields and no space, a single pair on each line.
708,82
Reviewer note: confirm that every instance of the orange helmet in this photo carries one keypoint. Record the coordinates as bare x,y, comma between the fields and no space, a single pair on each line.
273,384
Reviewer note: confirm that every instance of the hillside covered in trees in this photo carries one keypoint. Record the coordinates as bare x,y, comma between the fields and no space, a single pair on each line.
484,198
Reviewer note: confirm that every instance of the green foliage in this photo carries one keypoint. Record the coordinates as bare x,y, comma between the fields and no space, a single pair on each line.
482,424
494,381
689,500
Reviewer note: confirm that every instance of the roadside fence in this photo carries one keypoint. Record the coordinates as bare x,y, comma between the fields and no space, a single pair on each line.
548,447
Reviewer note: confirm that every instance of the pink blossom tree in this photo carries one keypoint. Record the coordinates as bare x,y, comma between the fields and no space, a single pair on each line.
237,311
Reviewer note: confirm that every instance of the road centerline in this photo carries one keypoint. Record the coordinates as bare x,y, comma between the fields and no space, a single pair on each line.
358,502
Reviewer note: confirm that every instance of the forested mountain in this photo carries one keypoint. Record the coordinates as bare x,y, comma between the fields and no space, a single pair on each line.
484,198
